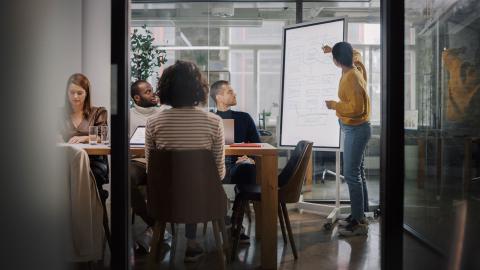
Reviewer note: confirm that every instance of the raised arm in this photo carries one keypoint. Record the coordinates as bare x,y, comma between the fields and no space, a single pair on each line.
357,62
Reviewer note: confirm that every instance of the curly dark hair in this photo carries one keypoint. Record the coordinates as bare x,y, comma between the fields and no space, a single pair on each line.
182,85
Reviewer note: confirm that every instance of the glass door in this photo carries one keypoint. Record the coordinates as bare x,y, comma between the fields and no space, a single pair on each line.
442,125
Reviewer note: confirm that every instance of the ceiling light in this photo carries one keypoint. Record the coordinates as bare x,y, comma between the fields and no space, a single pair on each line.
224,10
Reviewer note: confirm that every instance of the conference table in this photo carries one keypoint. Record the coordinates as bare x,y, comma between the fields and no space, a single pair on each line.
266,217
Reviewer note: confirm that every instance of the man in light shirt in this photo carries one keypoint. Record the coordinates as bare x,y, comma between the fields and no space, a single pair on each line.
145,105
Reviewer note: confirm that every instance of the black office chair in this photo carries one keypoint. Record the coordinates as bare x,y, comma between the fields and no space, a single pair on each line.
290,183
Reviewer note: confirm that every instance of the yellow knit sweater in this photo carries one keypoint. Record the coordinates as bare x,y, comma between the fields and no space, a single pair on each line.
354,105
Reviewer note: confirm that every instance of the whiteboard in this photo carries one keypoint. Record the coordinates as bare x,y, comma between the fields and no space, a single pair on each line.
309,78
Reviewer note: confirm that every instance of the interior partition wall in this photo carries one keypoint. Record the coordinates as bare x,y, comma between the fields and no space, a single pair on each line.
257,59
120,197
391,155
442,128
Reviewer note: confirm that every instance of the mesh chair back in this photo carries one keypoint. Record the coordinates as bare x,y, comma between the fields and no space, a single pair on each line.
184,187
293,175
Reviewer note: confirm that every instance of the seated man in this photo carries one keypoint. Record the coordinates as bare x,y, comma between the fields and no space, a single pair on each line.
240,170
145,105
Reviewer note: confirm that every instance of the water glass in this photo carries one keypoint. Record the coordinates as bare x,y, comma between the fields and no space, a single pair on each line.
104,134
92,134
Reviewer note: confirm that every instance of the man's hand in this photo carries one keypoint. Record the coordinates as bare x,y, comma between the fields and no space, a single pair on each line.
78,139
245,159
331,104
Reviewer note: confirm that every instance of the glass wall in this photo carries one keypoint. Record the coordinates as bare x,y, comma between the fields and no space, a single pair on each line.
244,47
442,127
364,35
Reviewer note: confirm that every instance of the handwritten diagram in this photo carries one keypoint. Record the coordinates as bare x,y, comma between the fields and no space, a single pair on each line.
310,78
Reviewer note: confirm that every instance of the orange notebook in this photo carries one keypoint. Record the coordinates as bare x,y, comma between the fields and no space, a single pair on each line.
245,145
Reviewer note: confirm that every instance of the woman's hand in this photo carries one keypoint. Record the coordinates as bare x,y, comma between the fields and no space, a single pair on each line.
327,49
78,139
330,104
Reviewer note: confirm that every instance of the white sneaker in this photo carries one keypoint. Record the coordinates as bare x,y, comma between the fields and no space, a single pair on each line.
354,228
346,221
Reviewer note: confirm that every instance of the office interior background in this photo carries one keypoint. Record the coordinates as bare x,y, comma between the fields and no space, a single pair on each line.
439,152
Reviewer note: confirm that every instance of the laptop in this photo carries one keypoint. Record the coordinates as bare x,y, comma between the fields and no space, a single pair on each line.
138,136
229,131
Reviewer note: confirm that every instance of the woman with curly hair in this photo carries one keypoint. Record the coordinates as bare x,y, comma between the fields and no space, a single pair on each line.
186,126
353,112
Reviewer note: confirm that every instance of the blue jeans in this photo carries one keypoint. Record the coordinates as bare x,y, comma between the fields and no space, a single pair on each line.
355,142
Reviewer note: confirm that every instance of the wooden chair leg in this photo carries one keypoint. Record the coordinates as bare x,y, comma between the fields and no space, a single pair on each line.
226,242
289,229
237,220
205,224
248,212
173,248
218,242
158,232
282,223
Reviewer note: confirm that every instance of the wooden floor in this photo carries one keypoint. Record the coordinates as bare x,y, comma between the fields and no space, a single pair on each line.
317,249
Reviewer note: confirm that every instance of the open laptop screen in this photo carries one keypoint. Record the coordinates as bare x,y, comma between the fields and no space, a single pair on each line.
138,136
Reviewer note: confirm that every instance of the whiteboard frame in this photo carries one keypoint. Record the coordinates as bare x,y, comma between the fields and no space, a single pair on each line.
299,25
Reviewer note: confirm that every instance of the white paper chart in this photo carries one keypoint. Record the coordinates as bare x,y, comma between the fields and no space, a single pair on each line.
309,78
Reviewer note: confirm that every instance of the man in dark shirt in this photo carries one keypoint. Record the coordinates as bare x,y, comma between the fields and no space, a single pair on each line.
240,170
244,132
224,96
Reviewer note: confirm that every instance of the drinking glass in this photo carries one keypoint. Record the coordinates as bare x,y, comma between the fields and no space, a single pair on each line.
104,134
92,134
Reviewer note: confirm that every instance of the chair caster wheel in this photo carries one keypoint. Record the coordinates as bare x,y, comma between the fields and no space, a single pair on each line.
327,226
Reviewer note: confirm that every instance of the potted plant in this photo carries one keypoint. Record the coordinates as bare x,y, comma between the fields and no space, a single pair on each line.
145,56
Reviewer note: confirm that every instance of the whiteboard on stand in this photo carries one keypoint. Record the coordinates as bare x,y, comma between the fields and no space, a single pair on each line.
309,78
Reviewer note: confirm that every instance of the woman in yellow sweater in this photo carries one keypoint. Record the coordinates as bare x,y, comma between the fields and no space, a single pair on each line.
353,111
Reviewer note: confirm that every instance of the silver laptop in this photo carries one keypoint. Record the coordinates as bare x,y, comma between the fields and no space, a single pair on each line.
229,131
138,136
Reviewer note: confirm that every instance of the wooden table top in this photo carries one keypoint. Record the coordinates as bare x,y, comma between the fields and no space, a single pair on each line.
265,149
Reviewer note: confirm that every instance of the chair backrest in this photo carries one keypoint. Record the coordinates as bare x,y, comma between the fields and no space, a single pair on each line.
184,187
293,175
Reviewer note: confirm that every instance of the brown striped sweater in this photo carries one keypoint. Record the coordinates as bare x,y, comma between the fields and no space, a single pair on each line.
186,128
